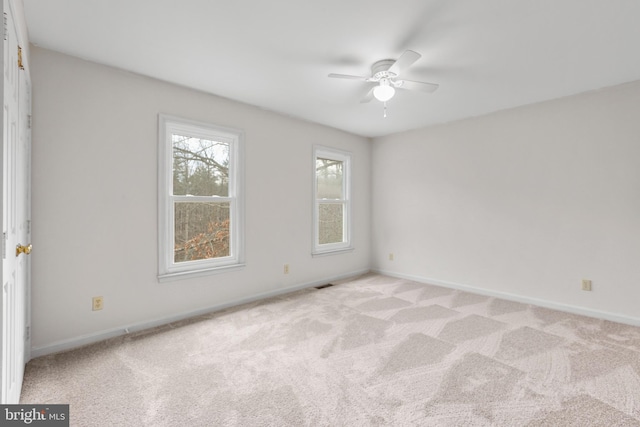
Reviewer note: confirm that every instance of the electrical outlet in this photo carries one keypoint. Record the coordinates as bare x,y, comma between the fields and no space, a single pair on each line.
286,269
586,285
98,303
391,256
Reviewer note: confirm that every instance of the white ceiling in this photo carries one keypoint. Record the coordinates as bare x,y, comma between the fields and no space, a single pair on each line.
486,55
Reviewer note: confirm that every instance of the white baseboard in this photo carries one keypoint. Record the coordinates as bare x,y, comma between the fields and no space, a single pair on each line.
614,317
83,340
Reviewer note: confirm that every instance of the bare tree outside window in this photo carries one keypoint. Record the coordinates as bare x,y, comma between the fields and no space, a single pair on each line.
201,171
330,194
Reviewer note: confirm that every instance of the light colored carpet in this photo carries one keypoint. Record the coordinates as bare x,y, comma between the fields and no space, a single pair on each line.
371,351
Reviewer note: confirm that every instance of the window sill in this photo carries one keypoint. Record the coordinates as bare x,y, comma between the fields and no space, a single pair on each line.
178,275
331,252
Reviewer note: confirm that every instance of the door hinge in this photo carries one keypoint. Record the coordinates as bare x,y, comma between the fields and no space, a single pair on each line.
20,64
29,223
29,121
27,333
4,245
5,31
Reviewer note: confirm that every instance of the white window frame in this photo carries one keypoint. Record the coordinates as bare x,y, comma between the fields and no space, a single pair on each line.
167,268
346,244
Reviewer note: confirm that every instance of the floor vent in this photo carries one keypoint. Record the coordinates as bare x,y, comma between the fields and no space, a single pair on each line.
324,286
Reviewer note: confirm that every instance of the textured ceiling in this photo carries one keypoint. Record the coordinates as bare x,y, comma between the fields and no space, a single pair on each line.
486,55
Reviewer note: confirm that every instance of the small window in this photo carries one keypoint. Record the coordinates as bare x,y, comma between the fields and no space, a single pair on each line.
200,198
332,210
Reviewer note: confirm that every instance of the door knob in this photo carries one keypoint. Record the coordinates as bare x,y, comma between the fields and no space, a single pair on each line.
23,249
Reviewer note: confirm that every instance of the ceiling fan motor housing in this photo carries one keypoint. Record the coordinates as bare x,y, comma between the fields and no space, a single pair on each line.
380,70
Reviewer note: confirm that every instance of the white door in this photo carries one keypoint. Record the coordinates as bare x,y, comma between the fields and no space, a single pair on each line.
23,200
15,214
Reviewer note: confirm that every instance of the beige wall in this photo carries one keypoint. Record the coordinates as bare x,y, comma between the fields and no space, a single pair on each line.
524,203
95,202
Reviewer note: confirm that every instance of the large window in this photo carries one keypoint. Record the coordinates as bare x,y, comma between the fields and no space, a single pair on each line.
332,210
200,198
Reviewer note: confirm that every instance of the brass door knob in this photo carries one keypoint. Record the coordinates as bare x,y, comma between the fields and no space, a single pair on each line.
23,249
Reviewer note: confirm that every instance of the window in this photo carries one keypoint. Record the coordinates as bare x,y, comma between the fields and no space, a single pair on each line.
200,198
332,210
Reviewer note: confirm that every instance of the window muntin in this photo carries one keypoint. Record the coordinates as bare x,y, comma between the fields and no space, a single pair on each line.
332,200
200,208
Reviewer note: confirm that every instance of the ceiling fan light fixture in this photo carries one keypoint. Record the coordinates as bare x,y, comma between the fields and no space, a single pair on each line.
384,91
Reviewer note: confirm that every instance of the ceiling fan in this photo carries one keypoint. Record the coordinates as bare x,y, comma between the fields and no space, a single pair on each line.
386,76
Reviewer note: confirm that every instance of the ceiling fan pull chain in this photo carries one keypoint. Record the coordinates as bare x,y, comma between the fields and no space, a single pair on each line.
385,109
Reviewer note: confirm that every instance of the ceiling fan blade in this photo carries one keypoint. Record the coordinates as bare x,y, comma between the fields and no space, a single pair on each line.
421,86
346,76
404,62
368,97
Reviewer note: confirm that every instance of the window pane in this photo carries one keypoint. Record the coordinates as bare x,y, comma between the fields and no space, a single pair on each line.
330,223
329,177
200,166
201,231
